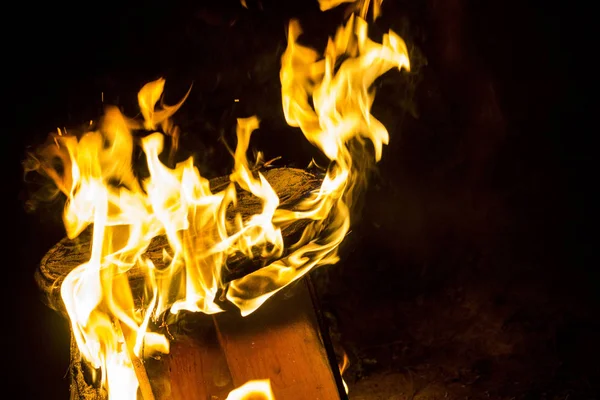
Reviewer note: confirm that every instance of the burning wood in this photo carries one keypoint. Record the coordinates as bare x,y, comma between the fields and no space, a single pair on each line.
291,186
209,357
174,242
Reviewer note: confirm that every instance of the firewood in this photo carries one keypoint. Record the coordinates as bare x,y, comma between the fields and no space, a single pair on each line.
290,184
197,366
282,341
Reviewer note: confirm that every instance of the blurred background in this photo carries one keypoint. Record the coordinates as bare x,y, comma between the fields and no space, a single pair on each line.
468,272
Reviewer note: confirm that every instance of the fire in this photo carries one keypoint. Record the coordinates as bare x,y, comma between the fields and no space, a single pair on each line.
331,106
343,367
361,7
253,390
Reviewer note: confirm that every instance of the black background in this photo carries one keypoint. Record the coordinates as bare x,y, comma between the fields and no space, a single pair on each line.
482,193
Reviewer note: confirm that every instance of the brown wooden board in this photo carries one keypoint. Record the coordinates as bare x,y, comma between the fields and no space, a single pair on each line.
196,367
281,341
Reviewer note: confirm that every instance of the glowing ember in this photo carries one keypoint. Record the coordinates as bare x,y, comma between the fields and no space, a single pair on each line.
329,103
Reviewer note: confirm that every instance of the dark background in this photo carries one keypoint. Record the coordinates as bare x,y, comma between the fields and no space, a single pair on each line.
468,272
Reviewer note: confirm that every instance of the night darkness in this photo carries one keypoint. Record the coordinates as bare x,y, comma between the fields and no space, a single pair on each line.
468,271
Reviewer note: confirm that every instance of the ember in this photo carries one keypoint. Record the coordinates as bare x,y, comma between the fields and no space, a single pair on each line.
329,98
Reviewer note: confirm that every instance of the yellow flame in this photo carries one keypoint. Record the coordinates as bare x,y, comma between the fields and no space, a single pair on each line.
329,103
253,390
359,6
343,366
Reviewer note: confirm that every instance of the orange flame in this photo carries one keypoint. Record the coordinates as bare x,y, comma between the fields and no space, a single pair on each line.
343,367
359,6
127,214
253,390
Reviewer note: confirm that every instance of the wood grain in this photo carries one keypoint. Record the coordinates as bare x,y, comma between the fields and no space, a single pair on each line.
280,341
196,367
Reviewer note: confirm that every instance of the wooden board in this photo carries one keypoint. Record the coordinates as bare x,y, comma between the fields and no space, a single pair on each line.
196,367
282,341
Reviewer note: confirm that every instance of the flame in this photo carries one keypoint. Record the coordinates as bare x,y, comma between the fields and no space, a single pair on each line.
331,106
343,367
253,390
359,6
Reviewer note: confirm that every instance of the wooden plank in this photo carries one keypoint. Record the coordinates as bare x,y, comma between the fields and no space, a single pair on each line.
196,367
280,341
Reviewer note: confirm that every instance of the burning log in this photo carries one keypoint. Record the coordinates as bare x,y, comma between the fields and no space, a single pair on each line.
290,184
284,334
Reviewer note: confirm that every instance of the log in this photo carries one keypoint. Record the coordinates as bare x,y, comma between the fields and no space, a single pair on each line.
199,366
291,185
283,341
